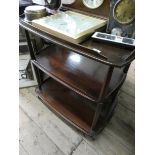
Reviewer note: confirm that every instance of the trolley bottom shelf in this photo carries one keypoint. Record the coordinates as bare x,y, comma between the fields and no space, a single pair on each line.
69,106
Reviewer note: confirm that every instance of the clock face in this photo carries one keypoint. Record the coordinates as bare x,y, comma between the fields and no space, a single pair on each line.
68,1
124,11
92,4
49,1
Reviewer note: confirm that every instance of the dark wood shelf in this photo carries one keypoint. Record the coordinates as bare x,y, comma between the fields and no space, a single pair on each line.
110,54
77,72
67,104
76,81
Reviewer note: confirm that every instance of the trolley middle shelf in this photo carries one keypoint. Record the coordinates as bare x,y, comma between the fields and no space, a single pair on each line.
80,74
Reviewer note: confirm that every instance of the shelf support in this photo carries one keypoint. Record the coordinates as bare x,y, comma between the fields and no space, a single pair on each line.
29,45
126,68
101,96
105,84
37,71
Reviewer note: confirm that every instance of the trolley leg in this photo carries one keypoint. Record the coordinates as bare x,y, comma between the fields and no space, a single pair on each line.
32,55
102,94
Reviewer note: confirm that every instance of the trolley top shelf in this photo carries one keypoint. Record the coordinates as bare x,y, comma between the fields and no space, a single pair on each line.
112,55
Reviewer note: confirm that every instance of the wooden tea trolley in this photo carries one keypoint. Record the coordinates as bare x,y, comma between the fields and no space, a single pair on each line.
74,81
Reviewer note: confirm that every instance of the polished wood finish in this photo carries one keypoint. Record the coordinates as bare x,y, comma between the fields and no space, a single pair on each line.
69,106
82,84
102,94
111,55
31,49
81,75
85,76
66,103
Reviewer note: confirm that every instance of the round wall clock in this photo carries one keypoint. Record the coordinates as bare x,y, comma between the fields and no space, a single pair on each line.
53,4
124,11
49,1
92,4
67,1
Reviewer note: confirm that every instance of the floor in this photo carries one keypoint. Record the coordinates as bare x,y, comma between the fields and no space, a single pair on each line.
43,133
24,59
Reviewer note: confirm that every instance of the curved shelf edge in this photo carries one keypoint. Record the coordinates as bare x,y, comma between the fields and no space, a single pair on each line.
73,111
75,89
78,48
